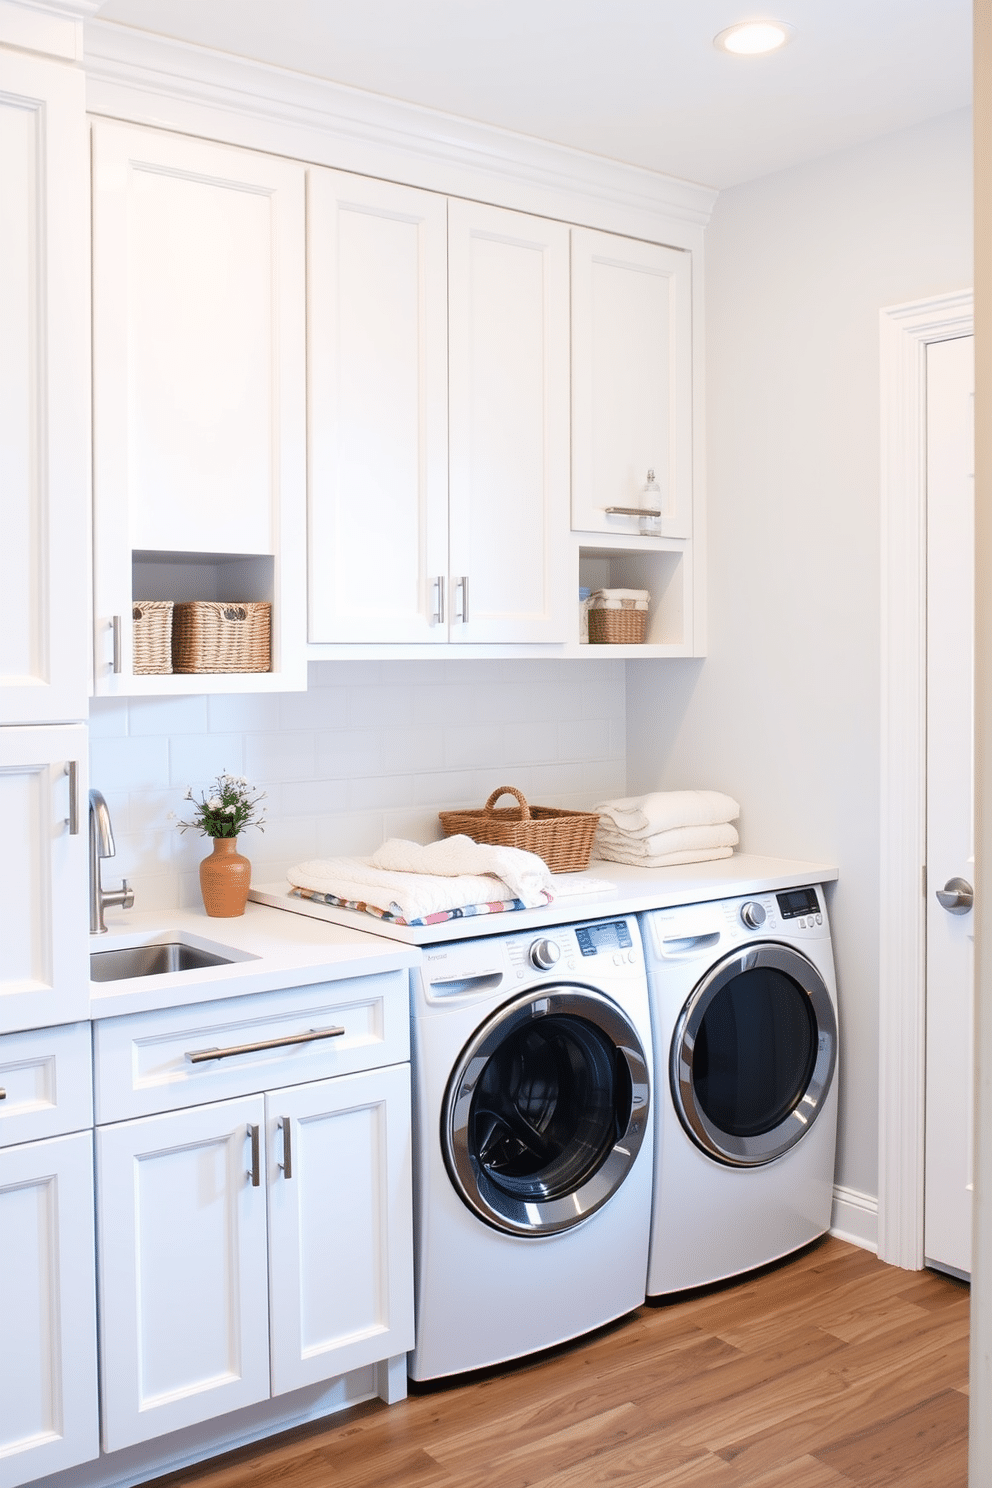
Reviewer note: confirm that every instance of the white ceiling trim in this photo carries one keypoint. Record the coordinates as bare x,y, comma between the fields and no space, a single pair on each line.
135,75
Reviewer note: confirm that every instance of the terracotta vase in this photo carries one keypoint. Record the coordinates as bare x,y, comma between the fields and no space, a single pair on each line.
225,878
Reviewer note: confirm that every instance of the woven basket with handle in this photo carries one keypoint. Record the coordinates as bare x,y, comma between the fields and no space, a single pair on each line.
152,619
562,838
214,636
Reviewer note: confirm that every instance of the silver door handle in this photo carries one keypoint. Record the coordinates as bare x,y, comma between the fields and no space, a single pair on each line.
255,1171
438,616
72,822
118,663
957,896
286,1122
463,586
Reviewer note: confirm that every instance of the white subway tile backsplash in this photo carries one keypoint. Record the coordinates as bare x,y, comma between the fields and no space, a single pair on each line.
368,752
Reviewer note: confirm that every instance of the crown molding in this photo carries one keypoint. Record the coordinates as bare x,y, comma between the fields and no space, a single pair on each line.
54,27
156,80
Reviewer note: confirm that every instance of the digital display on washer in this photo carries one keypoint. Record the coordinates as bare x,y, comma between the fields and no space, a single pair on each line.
796,902
612,936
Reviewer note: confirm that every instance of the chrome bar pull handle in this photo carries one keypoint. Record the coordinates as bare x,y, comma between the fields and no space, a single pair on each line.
286,1122
438,616
463,585
118,661
255,1171
201,1056
957,896
72,770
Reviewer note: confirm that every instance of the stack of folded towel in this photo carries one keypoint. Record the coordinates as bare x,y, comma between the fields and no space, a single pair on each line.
417,885
667,827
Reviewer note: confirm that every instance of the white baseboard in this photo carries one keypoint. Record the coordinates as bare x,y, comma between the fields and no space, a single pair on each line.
854,1218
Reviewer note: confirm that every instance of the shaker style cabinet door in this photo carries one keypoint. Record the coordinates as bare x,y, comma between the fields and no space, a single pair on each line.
199,367
631,383
182,1265
44,391
340,1225
44,928
48,1392
377,342
509,425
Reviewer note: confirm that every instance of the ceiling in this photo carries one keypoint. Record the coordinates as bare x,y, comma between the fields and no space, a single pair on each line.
633,80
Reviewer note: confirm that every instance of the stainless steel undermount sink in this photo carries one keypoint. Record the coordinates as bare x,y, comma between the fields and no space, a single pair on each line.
151,960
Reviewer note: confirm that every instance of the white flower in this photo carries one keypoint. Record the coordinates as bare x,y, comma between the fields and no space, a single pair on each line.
214,804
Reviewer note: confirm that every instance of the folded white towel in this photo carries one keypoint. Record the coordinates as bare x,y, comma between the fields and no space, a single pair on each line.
663,811
411,896
679,839
525,874
664,860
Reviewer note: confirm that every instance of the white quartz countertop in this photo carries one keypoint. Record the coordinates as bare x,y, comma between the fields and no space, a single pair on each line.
630,891
273,950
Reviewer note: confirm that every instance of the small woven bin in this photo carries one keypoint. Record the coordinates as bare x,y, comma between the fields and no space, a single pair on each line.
562,838
617,618
214,636
152,621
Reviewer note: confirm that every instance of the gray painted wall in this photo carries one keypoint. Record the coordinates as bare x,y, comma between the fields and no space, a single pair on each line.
784,712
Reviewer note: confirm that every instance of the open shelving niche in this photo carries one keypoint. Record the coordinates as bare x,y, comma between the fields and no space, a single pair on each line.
661,566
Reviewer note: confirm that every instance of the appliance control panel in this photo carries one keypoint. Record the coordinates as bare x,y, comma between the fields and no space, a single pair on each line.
465,969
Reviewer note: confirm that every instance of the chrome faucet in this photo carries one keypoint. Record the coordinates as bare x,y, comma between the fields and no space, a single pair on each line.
102,846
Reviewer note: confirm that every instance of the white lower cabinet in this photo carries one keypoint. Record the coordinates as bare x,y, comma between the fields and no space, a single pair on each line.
48,1382
251,1246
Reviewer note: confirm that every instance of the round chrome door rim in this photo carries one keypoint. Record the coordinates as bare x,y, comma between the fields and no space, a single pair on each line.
753,1151
476,1188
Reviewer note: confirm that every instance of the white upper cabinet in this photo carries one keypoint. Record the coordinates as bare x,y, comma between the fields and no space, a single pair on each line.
44,930
44,390
509,423
378,409
199,380
631,383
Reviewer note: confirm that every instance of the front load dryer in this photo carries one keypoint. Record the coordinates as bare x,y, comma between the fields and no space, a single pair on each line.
744,1010
533,1141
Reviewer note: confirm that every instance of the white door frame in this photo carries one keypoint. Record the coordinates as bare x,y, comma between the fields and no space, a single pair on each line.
906,331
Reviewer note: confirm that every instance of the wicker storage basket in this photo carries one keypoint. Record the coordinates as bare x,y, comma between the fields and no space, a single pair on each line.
217,636
152,619
562,838
618,617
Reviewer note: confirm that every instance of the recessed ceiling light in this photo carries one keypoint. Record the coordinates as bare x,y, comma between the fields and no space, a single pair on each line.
753,38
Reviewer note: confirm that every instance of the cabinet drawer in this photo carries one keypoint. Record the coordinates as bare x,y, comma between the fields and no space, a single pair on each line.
182,1056
46,1079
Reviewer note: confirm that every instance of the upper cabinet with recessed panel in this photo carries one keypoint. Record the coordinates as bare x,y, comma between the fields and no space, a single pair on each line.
631,386
199,362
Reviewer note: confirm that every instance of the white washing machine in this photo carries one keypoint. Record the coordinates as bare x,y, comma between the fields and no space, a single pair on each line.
533,1142
744,1011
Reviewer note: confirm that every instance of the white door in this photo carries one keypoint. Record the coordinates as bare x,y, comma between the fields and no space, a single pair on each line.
508,379
950,804
182,1265
340,1225
378,409
44,929
44,390
631,383
199,367
48,1399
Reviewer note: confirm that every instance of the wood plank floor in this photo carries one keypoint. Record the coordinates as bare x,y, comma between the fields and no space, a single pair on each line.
830,1370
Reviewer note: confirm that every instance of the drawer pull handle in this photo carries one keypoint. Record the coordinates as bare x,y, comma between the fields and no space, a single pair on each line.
286,1122
255,1171
72,770
201,1056
118,662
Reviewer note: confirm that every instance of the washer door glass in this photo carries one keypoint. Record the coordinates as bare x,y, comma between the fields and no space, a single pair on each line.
546,1110
753,1054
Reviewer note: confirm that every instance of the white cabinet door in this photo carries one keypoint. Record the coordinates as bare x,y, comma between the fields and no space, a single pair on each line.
509,425
44,390
377,409
48,1392
340,1225
631,382
199,364
182,1246
44,930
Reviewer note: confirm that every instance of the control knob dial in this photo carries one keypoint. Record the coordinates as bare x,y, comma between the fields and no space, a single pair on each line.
544,954
753,914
